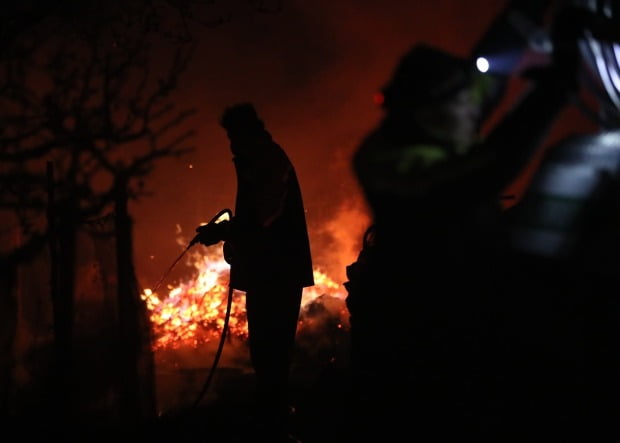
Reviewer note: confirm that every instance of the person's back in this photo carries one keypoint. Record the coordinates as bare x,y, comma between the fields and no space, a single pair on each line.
270,217
564,243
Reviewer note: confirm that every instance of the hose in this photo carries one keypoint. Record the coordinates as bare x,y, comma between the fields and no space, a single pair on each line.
196,239
218,354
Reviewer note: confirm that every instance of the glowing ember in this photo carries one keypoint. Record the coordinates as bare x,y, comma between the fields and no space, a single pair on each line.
193,312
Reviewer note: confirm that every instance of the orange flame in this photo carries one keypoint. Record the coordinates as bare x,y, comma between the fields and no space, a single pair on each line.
192,313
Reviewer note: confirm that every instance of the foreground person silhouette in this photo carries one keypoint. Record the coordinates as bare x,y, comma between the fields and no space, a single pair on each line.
423,294
267,246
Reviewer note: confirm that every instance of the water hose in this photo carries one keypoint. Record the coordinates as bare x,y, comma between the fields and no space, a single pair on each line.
201,232
220,347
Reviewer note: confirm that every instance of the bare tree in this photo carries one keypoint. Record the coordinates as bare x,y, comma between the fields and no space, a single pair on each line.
86,92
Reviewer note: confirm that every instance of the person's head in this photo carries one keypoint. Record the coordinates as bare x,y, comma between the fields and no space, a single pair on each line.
438,91
241,123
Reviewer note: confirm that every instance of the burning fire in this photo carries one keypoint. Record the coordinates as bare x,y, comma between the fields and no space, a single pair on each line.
192,313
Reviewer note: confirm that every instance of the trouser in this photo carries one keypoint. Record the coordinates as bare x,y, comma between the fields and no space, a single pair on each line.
272,314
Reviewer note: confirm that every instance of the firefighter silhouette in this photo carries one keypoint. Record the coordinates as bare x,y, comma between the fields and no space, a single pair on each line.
267,246
421,360
564,258
565,264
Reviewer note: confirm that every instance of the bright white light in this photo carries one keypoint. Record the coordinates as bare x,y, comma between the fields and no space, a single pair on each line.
603,72
482,64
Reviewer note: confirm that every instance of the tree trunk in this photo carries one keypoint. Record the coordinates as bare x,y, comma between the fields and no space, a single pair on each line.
62,238
137,382
8,330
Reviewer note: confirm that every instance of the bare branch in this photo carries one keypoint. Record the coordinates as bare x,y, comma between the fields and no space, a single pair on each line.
82,85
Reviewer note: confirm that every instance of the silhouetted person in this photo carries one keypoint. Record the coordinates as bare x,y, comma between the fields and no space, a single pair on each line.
268,248
565,239
427,292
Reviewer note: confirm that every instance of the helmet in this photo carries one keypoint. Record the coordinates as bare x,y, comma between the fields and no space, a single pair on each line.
426,74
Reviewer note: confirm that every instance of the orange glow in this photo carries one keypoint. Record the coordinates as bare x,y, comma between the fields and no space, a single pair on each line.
192,312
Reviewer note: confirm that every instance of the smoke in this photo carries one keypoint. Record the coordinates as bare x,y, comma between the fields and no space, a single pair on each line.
311,70
338,239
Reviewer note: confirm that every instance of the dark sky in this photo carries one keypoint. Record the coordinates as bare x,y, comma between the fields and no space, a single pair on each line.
311,71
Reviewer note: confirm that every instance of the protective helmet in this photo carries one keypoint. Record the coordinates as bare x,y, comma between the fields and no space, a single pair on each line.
426,74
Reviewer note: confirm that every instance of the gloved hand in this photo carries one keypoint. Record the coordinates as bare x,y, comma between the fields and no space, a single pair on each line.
212,233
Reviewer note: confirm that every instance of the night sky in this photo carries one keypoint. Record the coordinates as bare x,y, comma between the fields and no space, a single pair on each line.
311,71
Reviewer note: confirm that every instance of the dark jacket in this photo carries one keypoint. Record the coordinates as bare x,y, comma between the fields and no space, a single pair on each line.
269,241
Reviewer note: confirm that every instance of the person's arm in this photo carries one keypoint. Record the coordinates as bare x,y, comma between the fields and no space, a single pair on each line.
498,160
